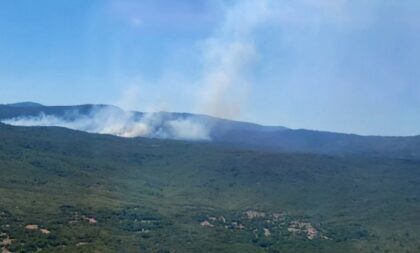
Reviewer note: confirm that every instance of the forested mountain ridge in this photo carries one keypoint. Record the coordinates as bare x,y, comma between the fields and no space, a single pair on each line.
241,134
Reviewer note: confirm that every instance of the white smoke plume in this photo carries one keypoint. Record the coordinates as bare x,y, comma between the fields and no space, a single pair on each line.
227,55
110,120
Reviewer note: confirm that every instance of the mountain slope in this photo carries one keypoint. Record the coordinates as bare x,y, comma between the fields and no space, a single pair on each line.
109,194
240,134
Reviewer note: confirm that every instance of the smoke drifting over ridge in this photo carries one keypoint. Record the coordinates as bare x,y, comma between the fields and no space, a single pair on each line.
112,120
221,83
222,86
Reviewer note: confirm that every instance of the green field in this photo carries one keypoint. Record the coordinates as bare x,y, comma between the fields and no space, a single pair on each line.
68,191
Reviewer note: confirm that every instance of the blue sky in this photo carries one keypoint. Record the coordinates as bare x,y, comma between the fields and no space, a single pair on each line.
347,66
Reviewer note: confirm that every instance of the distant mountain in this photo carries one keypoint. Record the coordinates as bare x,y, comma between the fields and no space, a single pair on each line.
240,134
25,104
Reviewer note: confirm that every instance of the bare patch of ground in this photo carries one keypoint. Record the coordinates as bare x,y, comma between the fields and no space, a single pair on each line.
32,227
254,214
5,244
5,250
81,244
45,231
91,220
206,224
237,225
303,227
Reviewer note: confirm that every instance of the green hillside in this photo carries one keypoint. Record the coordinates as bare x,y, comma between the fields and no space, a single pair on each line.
68,191
222,131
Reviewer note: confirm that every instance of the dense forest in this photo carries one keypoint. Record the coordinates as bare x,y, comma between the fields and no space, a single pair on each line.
69,191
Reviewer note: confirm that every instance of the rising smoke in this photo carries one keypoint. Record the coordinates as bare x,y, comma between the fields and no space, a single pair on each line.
111,120
227,55
222,86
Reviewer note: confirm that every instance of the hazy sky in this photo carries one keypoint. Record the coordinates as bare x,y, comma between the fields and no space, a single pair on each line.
347,66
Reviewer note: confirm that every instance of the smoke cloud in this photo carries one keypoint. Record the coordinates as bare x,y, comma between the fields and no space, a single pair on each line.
222,85
227,55
111,120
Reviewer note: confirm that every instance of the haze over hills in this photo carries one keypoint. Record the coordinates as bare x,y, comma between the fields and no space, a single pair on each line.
108,119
